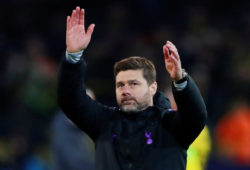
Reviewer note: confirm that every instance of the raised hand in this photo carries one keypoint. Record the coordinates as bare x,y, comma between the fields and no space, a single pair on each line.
172,61
77,38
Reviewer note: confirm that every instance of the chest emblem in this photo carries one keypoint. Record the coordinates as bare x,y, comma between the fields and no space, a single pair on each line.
148,136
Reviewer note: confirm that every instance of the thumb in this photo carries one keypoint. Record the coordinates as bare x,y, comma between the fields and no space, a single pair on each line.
90,30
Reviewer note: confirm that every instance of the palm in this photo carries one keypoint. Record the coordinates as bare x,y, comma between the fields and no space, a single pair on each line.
76,37
172,61
170,68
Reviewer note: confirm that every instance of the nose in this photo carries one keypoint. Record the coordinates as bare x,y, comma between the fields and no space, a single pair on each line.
125,91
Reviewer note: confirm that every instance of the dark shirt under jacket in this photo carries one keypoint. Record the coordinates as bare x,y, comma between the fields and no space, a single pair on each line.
156,138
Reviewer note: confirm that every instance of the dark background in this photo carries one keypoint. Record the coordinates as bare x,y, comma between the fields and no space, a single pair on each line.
212,38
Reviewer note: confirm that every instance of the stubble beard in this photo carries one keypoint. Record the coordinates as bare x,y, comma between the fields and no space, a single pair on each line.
136,106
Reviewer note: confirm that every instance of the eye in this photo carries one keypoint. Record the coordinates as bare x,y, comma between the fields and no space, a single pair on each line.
119,85
133,84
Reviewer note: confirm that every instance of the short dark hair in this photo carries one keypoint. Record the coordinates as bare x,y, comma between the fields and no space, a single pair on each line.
137,63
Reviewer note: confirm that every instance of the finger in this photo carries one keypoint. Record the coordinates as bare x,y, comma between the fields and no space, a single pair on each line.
77,15
174,60
171,48
171,60
165,52
90,30
68,23
169,42
169,52
81,19
73,18
168,56
174,51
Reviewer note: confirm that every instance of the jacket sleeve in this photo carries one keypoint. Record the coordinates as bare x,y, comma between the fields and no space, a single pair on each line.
188,121
87,114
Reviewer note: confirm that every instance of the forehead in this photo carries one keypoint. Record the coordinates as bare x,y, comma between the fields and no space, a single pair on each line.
130,75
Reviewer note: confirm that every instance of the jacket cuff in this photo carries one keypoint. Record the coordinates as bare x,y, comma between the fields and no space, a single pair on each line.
73,57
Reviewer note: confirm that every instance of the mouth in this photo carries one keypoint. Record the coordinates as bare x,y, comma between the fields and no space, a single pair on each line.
127,101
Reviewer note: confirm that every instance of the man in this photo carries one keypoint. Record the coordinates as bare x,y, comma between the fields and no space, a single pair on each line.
143,133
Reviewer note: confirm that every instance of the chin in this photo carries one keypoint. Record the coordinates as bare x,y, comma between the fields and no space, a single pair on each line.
129,109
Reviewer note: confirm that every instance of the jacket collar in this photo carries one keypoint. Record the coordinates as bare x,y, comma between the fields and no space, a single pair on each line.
162,103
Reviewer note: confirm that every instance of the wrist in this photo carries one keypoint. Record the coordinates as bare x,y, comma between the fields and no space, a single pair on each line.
184,76
70,51
73,57
76,52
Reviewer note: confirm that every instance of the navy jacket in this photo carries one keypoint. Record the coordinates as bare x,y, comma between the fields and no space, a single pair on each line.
156,138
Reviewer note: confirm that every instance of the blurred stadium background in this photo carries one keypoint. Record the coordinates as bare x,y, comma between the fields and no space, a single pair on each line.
213,39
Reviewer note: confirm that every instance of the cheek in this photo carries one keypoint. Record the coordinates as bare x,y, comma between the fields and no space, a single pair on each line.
118,94
140,93
151,91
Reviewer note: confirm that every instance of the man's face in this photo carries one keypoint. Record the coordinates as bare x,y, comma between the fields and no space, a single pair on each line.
133,92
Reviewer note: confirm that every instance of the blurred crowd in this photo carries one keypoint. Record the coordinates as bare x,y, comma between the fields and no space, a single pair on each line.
212,37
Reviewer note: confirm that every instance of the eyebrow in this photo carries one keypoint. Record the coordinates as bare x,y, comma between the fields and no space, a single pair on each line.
128,81
133,81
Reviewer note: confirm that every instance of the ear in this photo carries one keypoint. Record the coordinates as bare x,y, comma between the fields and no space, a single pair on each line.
153,88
